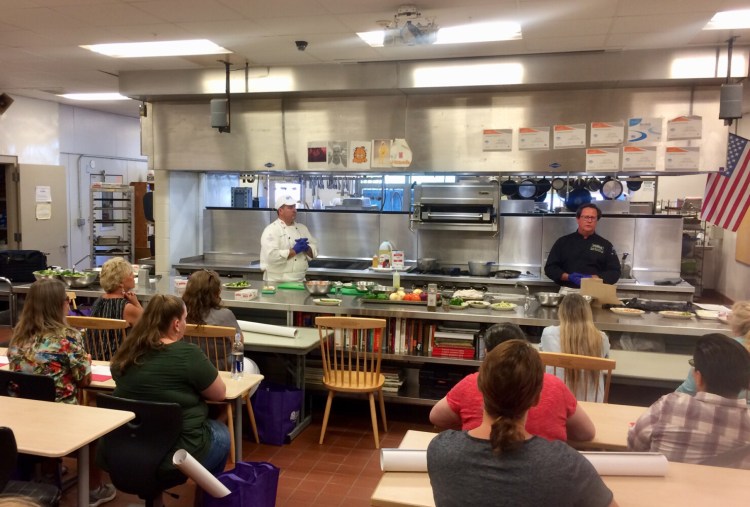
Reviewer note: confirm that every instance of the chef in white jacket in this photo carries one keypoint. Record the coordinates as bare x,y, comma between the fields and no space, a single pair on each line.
286,245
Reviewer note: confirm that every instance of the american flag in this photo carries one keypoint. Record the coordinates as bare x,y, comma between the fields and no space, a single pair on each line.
727,195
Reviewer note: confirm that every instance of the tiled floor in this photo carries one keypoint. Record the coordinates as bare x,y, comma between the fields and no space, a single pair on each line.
342,472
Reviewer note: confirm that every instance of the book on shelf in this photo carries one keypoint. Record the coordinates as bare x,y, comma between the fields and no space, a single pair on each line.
454,352
454,335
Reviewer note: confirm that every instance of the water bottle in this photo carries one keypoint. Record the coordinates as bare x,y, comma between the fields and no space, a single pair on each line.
238,356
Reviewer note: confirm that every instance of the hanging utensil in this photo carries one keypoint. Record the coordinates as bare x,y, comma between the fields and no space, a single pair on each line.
509,187
634,185
593,184
542,186
611,188
527,189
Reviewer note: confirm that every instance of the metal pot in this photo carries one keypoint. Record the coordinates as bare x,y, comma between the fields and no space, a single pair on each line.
480,268
427,264
549,298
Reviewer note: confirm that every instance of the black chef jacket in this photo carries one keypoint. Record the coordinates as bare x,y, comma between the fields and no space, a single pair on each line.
589,256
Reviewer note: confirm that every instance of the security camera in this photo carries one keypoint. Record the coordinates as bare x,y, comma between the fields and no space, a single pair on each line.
301,44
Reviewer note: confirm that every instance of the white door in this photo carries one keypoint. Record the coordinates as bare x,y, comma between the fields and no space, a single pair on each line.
43,211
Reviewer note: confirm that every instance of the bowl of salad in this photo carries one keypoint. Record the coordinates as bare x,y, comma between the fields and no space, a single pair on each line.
78,279
47,273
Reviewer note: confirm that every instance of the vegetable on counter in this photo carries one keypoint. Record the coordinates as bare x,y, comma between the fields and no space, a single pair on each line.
456,302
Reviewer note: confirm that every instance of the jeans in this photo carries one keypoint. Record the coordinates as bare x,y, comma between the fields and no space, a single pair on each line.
218,451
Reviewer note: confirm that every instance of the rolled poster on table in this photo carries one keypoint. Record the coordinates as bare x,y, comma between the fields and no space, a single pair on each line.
257,327
189,466
644,464
403,460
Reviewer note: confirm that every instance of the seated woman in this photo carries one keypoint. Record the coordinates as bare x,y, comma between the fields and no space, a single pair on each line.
739,323
44,344
577,334
557,416
154,364
119,302
499,463
202,299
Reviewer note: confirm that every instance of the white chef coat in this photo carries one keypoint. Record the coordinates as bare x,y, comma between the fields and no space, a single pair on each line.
276,242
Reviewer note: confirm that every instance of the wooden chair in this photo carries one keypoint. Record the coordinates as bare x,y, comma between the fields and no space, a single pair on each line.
582,363
216,343
351,364
101,336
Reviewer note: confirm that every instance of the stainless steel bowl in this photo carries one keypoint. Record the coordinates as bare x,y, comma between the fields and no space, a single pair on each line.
427,264
382,289
480,268
80,279
365,285
40,276
549,298
318,287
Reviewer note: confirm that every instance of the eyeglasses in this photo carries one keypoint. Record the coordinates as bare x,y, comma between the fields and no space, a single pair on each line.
588,219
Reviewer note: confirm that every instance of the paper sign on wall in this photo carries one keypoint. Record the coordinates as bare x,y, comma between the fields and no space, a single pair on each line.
639,157
687,158
533,138
602,159
43,211
338,153
359,154
317,155
43,193
644,130
400,153
684,127
497,139
381,153
569,136
607,133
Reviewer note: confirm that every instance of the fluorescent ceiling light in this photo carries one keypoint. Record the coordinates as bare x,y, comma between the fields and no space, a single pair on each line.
159,48
94,96
462,34
479,32
728,20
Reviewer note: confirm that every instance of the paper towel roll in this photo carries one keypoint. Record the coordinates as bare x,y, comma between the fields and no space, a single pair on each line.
643,464
628,463
403,460
256,327
189,466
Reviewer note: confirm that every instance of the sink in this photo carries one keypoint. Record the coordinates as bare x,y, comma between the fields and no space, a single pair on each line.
348,264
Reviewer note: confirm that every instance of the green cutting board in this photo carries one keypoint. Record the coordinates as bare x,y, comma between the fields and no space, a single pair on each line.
291,286
349,291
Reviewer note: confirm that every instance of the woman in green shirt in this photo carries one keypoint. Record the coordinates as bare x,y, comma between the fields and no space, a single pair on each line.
154,364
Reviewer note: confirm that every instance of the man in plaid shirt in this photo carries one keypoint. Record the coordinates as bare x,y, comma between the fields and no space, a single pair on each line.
692,429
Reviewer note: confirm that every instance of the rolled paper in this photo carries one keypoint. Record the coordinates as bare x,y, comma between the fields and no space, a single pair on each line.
403,460
645,464
257,327
189,466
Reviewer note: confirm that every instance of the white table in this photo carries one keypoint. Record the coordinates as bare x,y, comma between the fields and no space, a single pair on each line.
54,430
684,485
293,350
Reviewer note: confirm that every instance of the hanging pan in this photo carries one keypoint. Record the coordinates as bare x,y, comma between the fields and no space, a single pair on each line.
577,197
509,187
634,185
593,184
611,188
542,186
527,189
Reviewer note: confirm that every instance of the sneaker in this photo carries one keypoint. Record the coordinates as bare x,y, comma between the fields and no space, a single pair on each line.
102,494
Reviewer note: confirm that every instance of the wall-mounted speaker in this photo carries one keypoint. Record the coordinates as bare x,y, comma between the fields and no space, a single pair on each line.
730,102
5,102
219,113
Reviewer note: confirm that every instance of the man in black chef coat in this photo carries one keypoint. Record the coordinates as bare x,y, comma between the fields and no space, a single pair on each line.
583,254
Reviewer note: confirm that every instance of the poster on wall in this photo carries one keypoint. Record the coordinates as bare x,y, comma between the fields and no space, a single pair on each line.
497,139
533,138
607,133
569,136
381,153
644,130
641,158
338,153
602,159
684,127
682,158
359,154
316,155
400,153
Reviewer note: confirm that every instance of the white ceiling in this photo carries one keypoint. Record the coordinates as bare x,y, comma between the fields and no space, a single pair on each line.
40,57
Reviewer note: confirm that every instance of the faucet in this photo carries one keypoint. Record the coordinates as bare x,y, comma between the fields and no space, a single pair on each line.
526,299
75,264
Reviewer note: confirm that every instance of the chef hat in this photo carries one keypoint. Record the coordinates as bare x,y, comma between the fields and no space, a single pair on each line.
285,200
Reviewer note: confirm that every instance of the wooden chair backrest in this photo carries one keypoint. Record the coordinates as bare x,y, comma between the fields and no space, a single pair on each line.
214,341
101,336
351,349
584,363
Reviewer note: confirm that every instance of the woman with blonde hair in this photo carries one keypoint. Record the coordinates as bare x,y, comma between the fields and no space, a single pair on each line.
499,463
119,302
739,323
577,334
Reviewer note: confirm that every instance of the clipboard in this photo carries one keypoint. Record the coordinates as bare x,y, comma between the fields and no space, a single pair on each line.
603,293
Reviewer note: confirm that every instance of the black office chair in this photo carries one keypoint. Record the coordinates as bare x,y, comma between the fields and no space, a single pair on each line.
44,494
133,452
27,385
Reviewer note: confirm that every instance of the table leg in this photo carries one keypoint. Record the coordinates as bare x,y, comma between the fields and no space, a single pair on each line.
83,476
238,429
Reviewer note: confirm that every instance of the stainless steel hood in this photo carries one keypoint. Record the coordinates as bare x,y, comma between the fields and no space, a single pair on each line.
584,69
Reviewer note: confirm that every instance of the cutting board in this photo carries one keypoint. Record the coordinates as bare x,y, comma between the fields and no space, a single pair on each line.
291,286
603,293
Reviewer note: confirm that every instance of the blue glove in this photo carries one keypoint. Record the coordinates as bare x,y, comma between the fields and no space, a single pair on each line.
300,245
575,278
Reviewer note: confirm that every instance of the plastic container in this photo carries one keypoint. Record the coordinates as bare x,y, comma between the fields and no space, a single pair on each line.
385,252
238,356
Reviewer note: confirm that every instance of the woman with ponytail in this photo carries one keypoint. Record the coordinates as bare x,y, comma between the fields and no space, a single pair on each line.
499,463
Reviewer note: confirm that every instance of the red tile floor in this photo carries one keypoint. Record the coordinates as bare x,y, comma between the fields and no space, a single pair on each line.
342,472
